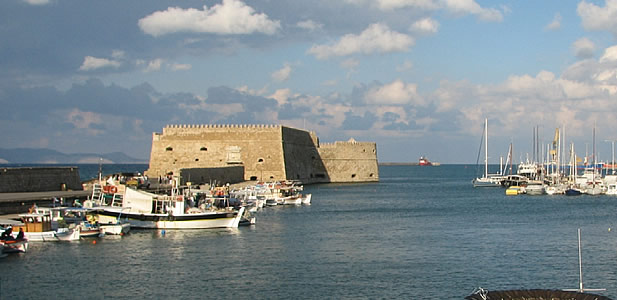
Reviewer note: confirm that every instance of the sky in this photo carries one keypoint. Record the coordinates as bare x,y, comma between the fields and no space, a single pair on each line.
418,77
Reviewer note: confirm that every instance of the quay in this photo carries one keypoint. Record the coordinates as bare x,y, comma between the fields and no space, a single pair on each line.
12,203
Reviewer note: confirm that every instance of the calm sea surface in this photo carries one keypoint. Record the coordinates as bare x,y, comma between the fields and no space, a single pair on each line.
420,233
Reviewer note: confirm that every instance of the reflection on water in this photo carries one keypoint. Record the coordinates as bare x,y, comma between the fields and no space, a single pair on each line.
420,231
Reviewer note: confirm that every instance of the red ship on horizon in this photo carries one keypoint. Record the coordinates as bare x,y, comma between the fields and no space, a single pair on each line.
424,161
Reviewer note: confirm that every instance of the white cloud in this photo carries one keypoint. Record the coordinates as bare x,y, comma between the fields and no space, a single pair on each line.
583,48
555,24
310,25
282,74
245,89
230,17
37,2
281,96
425,26
395,93
154,65
377,38
180,67
93,63
464,7
610,54
395,4
599,18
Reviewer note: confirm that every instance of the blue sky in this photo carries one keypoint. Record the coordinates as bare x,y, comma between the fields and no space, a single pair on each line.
416,76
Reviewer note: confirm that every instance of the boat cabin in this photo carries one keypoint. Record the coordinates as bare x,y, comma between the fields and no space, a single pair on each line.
34,222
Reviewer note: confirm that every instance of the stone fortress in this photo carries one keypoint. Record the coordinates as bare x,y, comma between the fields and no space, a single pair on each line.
198,153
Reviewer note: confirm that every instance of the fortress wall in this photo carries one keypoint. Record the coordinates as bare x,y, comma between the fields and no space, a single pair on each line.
39,179
350,161
302,160
257,147
266,152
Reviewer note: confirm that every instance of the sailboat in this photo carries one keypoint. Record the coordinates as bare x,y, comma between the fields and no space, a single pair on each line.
487,180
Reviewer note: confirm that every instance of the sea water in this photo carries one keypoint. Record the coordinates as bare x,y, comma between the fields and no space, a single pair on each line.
419,233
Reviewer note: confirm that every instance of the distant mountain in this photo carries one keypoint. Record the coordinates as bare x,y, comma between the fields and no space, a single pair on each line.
48,156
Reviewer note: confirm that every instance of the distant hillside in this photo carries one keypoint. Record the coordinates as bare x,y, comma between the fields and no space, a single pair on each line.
48,156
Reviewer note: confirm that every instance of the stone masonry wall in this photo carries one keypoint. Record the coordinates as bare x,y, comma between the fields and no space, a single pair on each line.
350,161
257,147
39,179
267,152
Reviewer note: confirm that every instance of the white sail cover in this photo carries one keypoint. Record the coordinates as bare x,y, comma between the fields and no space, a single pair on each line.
138,201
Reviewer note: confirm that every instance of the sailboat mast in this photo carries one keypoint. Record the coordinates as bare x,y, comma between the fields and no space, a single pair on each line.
486,147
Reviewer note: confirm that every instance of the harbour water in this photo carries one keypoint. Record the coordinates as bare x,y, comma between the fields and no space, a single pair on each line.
420,233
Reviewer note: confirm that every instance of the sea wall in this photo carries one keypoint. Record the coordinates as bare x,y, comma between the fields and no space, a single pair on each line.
39,179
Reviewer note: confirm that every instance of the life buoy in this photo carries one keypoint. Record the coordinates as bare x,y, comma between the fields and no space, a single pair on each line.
113,189
179,199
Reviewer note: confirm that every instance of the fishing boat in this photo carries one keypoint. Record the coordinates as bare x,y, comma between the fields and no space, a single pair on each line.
37,227
9,243
118,228
487,180
147,210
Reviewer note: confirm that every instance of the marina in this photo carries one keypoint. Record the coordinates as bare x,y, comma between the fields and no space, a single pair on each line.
374,240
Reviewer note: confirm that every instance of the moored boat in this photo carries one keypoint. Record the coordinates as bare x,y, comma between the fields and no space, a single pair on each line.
573,192
534,188
14,245
37,227
146,210
513,190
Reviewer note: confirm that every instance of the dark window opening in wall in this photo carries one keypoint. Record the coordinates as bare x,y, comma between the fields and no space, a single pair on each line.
353,175
320,175
203,149
169,149
197,159
253,178
260,160
297,176
363,150
313,157
370,175
311,175
271,177
373,150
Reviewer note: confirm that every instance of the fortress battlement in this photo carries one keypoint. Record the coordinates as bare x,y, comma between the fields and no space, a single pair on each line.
212,126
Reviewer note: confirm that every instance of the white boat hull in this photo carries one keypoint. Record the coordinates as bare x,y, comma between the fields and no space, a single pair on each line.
185,221
307,199
116,229
63,234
